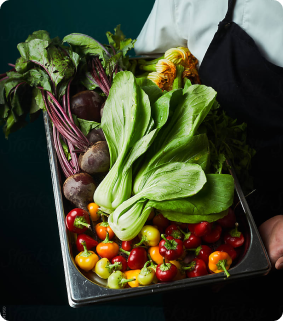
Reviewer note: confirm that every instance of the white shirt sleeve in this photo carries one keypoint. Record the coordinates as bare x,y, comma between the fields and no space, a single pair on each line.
193,23
160,31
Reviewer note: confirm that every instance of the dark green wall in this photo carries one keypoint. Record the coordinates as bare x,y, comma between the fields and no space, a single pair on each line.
29,233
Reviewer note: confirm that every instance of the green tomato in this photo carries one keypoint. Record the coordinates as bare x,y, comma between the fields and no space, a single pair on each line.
101,268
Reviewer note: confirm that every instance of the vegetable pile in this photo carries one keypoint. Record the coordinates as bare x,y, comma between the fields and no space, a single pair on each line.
163,251
132,137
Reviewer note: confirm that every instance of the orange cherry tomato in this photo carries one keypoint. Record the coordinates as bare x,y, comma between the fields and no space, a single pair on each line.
101,229
93,211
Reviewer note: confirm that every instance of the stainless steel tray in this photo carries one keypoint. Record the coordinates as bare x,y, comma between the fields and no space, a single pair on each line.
88,289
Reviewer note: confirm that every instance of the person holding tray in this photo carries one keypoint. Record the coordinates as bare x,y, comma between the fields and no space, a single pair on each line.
239,47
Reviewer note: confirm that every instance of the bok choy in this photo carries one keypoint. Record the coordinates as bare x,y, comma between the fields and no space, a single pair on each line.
166,182
130,125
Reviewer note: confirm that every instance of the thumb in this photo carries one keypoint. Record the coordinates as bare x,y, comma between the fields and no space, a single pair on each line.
279,263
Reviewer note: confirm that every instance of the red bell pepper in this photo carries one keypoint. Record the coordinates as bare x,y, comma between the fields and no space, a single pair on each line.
89,242
214,235
174,231
137,258
122,260
234,238
202,252
166,272
127,245
200,229
228,249
196,268
229,220
160,222
77,221
191,240
170,248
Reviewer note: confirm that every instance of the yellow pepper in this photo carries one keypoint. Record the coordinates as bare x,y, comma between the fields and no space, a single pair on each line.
86,260
219,262
155,255
133,274
149,235
181,273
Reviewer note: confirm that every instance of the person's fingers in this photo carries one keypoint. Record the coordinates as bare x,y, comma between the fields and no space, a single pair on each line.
279,263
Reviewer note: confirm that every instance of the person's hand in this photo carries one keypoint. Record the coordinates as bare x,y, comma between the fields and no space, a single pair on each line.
271,232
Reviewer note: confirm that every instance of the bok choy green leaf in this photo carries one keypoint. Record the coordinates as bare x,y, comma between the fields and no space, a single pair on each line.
166,182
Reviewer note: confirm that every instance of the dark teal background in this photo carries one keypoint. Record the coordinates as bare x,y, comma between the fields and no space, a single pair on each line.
32,277
33,282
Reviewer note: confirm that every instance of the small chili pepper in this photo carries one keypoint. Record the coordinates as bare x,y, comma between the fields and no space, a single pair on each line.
228,249
93,210
200,229
107,248
170,248
89,241
155,255
102,228
146,275
214,235
149,235
166,272
174,231
181,273
122,260
202,252
117,280
219,262
228,220
133,274
160,222
234,238
191,240
77,221
137,258
127,245
196,268
86,260
103,268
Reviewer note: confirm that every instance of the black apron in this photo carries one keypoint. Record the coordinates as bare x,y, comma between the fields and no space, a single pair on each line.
250,89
